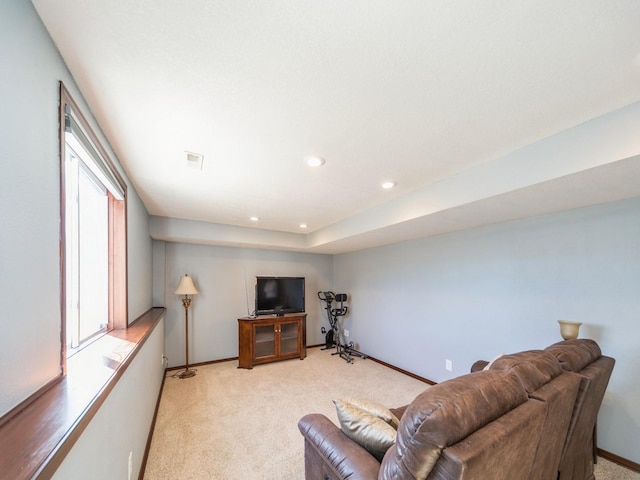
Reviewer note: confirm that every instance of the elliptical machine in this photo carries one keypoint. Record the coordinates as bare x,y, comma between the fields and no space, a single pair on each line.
335,335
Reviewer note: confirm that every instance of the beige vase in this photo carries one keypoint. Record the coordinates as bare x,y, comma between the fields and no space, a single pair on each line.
569,330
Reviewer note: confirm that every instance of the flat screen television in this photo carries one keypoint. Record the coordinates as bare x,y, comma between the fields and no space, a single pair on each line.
279,295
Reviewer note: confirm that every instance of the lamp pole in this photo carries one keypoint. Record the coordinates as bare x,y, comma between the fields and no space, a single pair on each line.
186,288
186,302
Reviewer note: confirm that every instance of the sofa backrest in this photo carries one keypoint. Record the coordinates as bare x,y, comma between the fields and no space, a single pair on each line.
504,449
444,415
576,354
534,368
584,357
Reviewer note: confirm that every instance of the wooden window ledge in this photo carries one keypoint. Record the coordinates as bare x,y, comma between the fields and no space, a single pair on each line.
35,440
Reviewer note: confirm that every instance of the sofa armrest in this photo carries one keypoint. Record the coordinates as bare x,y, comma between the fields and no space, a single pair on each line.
479,365
329,453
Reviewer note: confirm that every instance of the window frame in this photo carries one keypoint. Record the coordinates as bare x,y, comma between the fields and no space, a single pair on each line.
117,220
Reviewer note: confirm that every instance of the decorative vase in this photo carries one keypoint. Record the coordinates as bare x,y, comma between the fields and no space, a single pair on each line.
569,330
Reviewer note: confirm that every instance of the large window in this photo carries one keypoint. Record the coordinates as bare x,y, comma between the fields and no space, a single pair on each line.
93,233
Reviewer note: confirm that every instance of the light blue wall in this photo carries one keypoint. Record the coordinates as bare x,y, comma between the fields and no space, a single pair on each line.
30,71
121,426
139,257
224,276
473,294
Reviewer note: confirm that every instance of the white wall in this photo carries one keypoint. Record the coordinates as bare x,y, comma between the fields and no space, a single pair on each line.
471,295
220,275
121,425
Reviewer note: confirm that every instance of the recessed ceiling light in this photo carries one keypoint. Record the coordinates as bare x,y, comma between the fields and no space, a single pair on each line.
303,225
254,219
388,185
314,161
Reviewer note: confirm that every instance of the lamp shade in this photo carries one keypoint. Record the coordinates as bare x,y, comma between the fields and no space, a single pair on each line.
569,330
186,286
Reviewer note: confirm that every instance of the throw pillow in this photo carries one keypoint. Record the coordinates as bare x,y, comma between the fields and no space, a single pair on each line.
374,409
368,430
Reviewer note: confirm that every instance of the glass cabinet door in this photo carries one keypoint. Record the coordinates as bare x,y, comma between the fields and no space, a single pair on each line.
289,338
265,337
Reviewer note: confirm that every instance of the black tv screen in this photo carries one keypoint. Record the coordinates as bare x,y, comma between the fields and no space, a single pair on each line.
279,295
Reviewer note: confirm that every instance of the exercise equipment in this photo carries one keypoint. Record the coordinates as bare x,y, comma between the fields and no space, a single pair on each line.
335,336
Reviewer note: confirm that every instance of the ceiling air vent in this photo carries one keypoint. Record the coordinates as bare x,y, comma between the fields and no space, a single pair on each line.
194,160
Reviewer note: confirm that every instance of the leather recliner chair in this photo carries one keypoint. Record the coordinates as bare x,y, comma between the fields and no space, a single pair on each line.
542,377
584,357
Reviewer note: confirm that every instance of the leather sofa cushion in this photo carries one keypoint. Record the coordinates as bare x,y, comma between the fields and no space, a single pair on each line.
446,413
535,368
576,354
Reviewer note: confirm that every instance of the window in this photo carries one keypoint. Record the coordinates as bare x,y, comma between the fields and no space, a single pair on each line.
87,252
93,233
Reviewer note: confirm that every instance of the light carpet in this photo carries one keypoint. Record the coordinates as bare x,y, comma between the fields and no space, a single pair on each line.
234,424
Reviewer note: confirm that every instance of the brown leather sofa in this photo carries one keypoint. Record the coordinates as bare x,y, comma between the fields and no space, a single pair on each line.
531,415
508,422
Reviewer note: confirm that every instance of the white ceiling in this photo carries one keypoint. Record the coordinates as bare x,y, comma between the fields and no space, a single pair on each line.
476,110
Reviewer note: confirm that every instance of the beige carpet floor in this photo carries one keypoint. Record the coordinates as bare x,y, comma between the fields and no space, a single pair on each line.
234,424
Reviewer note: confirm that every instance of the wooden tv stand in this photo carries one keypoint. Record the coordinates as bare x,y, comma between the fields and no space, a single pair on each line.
271,338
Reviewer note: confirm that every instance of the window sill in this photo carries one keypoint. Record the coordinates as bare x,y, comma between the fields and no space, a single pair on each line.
34,442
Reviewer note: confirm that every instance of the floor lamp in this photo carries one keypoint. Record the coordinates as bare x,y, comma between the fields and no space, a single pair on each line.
186,288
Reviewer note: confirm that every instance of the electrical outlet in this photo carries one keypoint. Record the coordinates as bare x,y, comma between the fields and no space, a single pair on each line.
448,364
162,359
346,332
130,464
